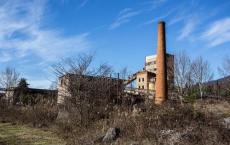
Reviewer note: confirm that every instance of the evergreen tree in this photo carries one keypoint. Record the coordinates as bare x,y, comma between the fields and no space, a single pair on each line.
23,84
21,92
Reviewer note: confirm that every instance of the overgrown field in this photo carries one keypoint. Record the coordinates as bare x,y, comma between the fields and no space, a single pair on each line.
201,123
15,134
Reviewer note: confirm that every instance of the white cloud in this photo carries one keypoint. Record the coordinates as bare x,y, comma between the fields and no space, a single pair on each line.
42,84
83,3
153,4
218,32
187,29
155,20
158,18
80,3
123,17
184,11
21,30
5,57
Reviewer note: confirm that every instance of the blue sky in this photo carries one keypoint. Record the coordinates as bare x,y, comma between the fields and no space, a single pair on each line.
34,34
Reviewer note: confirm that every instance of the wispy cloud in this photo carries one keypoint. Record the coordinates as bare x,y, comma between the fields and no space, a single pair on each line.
153,4
167,14
5,57
43,84
21,30
185,11
80,3
218,32
83,3
123,17
188,28
154,20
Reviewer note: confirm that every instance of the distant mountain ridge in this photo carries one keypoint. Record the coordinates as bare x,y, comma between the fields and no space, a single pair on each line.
220,81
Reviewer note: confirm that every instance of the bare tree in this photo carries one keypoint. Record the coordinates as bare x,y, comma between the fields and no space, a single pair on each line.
202,73
103,70
182,73
124,73
224,71
81,65
9,78
88,89
53,85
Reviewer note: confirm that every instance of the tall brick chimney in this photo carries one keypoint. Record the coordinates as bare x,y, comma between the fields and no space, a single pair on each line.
161,73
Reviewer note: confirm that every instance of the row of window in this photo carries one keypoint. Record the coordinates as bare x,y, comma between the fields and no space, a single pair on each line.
155,69
149,63
143,87
143,79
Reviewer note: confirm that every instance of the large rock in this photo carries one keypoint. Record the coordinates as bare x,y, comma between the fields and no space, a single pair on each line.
63,116
136,111
226,122
111,135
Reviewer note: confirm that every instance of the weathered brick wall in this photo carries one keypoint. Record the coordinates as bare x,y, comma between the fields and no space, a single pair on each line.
161,75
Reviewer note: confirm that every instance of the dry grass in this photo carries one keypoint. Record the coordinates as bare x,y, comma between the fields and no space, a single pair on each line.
215,107
38,116
143,123
12,134
171,124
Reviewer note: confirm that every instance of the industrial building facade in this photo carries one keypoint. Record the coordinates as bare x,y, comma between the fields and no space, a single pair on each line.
156,78
67,83
146,78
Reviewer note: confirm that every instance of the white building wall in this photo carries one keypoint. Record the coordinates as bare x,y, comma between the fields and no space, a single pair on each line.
63,90
150,63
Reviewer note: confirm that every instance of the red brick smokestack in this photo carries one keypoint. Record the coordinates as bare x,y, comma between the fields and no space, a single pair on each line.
161,74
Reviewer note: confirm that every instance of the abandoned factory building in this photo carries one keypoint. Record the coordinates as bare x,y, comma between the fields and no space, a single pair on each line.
146,78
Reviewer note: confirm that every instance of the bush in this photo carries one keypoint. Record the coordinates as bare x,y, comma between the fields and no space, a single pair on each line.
145,123
38,115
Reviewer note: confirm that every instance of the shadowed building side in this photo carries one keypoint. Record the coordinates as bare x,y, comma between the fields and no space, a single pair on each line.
161,74
33,96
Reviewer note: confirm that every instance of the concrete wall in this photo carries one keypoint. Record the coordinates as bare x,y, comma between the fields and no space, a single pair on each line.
151,64
9,95
142,80
146,80
115,85
63,92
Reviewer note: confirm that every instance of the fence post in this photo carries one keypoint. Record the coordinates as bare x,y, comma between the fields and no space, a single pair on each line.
117,83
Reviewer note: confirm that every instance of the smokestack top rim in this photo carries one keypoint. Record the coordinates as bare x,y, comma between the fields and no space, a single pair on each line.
161,22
